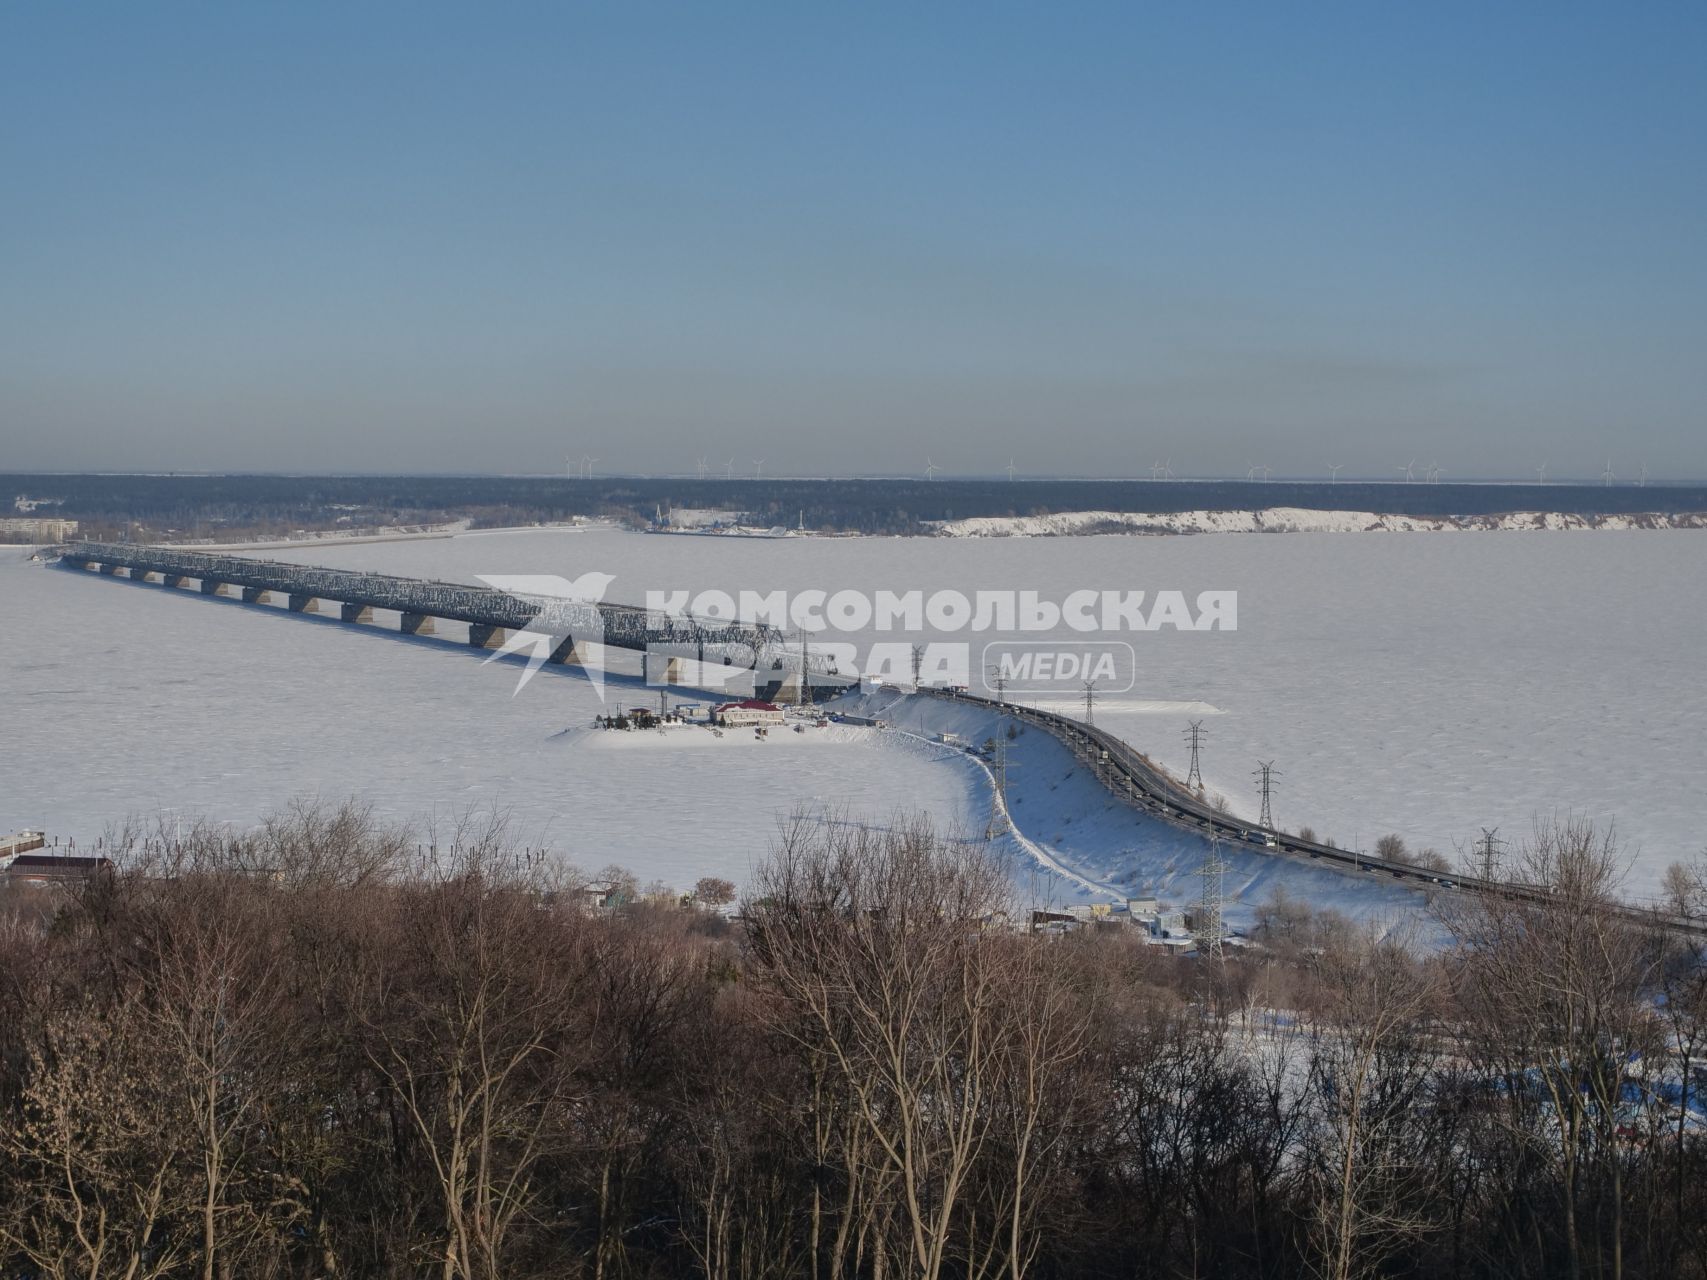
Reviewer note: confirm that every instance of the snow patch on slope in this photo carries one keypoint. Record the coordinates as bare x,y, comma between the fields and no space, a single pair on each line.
1298,520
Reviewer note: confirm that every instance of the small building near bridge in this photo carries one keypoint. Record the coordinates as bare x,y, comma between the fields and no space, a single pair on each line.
50,869
750,711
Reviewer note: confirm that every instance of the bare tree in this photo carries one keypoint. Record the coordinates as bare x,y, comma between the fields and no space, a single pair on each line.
1552,982
875,946
1372,1062
714,891
100,1145
465,1026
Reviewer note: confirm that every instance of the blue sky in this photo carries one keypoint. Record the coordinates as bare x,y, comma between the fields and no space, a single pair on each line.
433,237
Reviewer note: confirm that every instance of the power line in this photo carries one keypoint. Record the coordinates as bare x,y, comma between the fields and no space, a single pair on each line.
1195,736
999,822
1265,774
1488,849
1209,903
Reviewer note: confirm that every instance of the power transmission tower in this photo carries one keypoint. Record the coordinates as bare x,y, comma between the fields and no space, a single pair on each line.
1488,848
1195,735
999,822
1265,774
1209,903
999,682
1090,701
800,694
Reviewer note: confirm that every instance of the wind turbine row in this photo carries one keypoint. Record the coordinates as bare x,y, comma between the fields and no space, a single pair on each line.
702,468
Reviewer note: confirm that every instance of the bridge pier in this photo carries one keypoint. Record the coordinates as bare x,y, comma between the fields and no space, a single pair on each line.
355,613
481,636
662,668
415,624
303,604
212,587
176,581
257,595
110,570
567,654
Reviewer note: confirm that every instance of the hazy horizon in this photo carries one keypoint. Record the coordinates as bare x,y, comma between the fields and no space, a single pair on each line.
432,240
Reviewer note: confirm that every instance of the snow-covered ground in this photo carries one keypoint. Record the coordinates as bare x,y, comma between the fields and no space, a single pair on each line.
1064,820
1301,520
1427,686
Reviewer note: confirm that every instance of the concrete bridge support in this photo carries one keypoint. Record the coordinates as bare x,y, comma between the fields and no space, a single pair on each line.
568,655
212,587
355,613
303,604
110,570
416,624
482,636
257,595
176,581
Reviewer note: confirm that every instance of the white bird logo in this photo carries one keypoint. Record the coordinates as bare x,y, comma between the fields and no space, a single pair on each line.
567,612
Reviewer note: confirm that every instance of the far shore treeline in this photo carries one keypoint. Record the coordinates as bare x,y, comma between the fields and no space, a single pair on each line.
157,507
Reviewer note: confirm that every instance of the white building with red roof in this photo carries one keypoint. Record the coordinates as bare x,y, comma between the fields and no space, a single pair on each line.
749,711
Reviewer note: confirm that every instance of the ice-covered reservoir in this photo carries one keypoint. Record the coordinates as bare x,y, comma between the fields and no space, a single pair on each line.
1422,684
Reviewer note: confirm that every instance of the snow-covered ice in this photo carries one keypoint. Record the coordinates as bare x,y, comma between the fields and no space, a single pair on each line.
1423,685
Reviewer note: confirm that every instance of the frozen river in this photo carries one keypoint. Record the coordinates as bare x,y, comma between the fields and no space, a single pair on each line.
1424,684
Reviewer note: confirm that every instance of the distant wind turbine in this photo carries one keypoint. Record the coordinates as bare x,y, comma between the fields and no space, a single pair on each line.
1010,469
702,468
931,469
570,471
1167,469
1334,469
1251,472
587,467
1266,471
1155,471
1642,482
729,469
758,468
1541,472
1409,469
1606,476
1434,473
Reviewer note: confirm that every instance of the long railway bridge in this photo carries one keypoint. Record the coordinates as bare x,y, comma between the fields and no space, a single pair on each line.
679,648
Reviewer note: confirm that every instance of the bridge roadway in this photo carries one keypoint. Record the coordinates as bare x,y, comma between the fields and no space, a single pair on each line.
1132,778
489,613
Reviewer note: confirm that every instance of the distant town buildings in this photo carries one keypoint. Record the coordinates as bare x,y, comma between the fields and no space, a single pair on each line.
36,529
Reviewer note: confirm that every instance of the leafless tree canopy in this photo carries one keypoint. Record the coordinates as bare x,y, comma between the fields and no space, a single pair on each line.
319,1052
